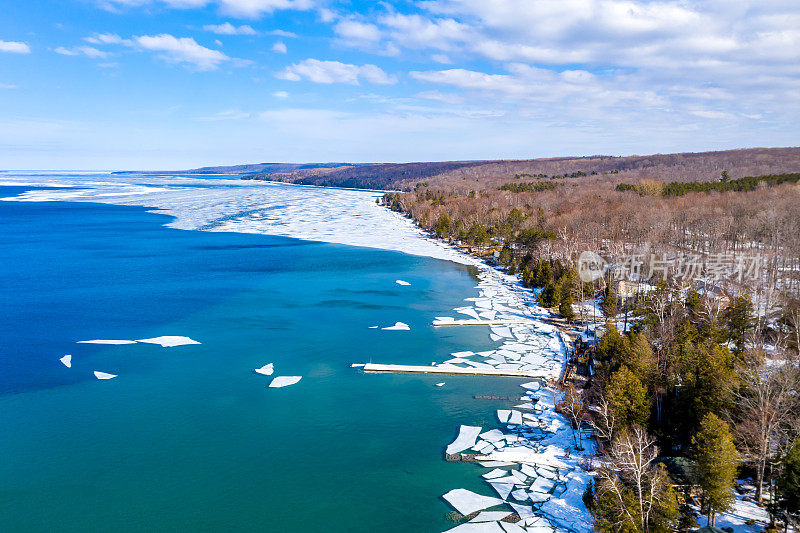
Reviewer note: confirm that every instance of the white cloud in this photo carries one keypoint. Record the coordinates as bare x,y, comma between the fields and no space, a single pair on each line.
14,47
282,33
107,38
7,86
352,30
257,8
236,8
335,72
279,47
442,58
182,50
280,94
229,29
230,114
88,51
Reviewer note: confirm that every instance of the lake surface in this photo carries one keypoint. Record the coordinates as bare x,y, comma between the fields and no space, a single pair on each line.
190,438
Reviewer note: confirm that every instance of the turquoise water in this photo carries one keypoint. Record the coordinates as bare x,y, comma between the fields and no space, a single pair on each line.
189,438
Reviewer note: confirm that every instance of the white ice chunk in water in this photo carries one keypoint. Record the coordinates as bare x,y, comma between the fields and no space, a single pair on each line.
503,414
519,495
107,341
515,418
374,327
357,365
169,341
511,528
284,381
266,370
440,384
490,516
524,511
502,489
466,439
477,527
104,375
401,282
467,502
66,361
398,326
494,473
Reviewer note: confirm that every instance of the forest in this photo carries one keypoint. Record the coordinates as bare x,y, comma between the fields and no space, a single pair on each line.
695,384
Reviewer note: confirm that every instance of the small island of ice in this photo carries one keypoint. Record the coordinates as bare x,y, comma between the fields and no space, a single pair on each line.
104,375
169,341
284,381
66,361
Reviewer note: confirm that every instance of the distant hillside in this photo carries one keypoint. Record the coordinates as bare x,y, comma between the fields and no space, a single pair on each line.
468,175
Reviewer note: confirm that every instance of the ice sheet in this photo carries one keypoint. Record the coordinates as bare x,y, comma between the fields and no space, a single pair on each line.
398,326
266,370
467,502
66,361
107,341
169,341
284,381
465,439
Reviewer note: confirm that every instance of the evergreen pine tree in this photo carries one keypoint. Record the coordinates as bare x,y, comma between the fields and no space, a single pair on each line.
715,458
627,399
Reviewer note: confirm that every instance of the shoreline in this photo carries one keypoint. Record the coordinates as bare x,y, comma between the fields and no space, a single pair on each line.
532,467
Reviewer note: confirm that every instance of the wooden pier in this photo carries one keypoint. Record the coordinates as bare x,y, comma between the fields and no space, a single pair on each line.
450,370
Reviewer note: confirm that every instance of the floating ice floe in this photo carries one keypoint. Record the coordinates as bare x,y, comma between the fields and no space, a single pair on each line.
502,489
107,341
478,527
169,341
440,384
490,516
467,502
357,365
66,361
398,326
284,381
104,375
401,282
466,439
374,327
512,528
266,370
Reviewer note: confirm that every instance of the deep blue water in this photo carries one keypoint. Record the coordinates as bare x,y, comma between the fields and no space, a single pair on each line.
189,438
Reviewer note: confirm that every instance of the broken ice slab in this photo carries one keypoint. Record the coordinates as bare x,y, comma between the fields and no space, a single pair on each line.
401,282
169,341
66,361
465,439
398,326
502,489
265,370
503,415
284,381
107,341
490,516
477,527
467,502
104,375
494,473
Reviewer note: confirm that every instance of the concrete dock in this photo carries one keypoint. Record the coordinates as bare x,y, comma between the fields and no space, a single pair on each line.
450,370
473,322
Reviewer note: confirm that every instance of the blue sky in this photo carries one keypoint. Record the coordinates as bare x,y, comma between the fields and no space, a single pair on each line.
167,84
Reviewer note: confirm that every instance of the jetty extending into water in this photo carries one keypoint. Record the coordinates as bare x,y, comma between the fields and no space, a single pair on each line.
451,370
